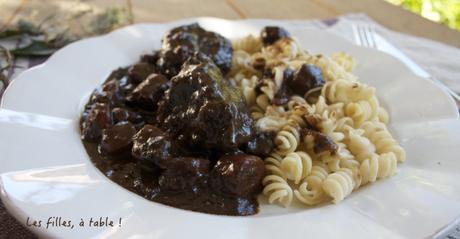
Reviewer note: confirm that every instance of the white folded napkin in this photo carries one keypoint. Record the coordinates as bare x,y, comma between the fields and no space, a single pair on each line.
442,61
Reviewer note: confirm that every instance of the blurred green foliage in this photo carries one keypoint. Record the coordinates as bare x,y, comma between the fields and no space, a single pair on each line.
443,11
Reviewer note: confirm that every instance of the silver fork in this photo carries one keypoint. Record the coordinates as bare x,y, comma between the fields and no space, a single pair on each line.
365,35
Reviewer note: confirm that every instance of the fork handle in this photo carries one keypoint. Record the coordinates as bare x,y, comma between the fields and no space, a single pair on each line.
442,85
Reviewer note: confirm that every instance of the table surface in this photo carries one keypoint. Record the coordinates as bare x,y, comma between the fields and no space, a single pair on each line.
390,16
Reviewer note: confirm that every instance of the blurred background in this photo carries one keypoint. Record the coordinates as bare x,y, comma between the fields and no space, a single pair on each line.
446,12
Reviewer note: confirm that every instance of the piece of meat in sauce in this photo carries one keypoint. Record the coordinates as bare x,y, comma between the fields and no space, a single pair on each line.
117,139
184,174
271,34
238,174
147,94
96,118
261,144
201,109
182,42
306,78
139,72
110,93
322,143
153,148
151,58
124,115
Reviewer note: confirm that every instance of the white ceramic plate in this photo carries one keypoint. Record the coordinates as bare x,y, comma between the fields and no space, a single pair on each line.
46,171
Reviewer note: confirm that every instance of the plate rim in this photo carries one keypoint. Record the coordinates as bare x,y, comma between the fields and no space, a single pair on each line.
17,211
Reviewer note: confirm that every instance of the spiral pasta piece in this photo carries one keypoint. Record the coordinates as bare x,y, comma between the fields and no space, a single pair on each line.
241,59
331,69
332,162
270,123
348,160
346,91
383,115
263,101
285,48
277,190
296,166
247,87
384,142
310,191
369,170
257,113
275,185
295,101
338,185
273,165
360,111
359,145
287,139
296,117
269,89
328,126
387,165
343,123
344,60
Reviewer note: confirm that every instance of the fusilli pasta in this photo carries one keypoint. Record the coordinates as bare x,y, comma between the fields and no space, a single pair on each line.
344,110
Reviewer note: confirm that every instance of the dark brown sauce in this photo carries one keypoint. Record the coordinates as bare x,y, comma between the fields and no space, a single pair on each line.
127,174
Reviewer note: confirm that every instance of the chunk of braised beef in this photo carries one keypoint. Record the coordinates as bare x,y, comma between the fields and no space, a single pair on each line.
261,144
109,93
322,143
117,139
184,174
271,34
182,42
96,118
139,72
150,58
153,147
120,76
147,94
307,77
219,49
239,174
122,115
203,110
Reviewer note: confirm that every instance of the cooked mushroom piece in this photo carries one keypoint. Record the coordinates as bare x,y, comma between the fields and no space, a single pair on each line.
307,77
271,34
